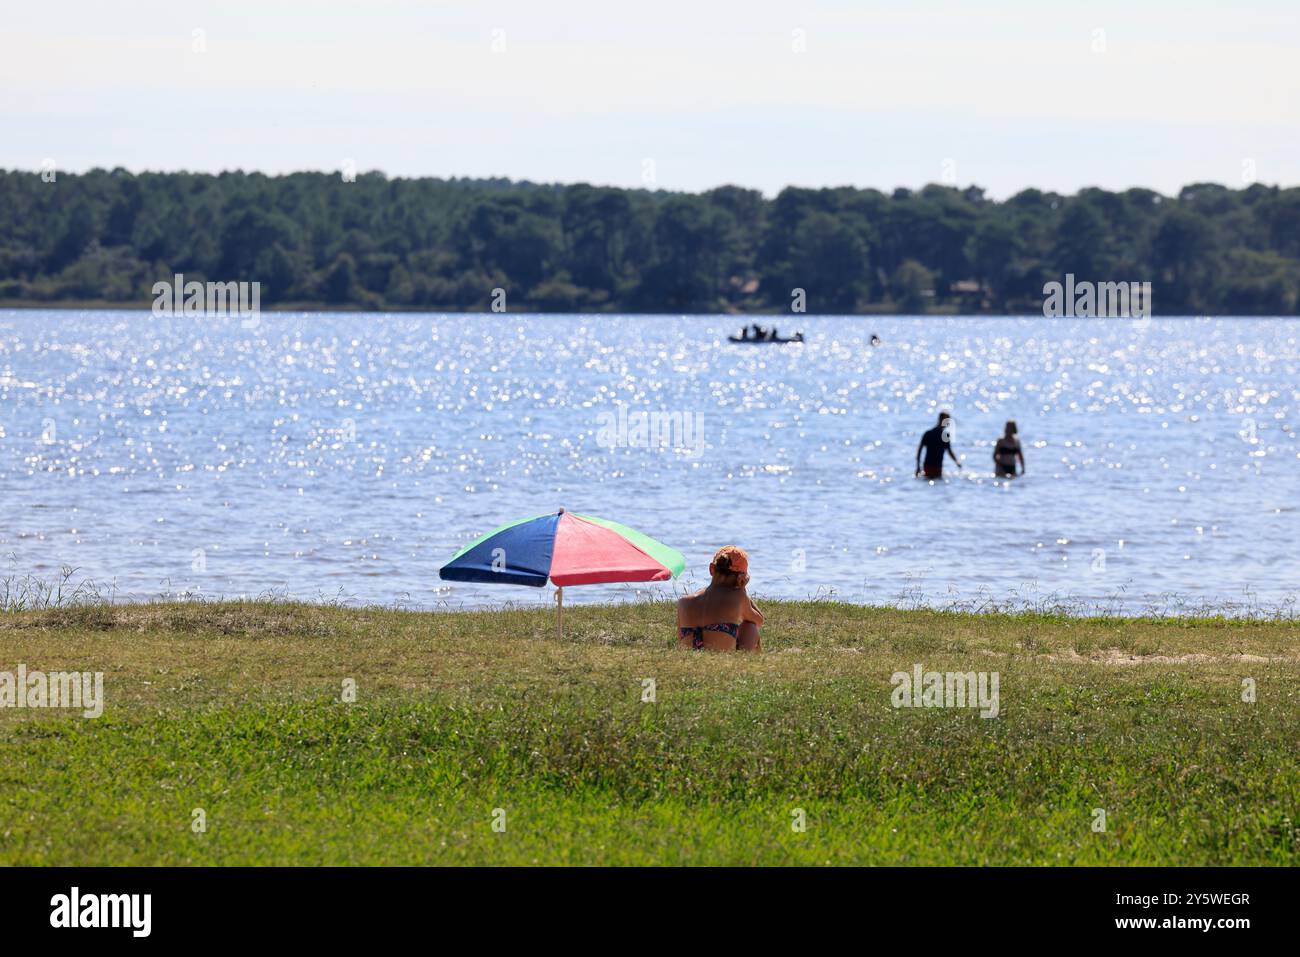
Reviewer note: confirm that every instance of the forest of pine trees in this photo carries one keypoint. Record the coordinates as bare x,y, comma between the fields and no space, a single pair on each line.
313,239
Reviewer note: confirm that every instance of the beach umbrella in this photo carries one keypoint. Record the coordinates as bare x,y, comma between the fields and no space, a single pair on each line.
564,548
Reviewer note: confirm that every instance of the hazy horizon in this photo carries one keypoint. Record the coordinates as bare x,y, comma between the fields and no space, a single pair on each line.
679,97
887,190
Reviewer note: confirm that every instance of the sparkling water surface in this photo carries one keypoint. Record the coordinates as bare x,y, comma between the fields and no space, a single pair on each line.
347,456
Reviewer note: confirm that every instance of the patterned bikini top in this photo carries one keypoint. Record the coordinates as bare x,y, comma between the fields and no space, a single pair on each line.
696,633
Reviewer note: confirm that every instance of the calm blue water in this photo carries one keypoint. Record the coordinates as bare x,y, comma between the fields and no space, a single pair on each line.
347,456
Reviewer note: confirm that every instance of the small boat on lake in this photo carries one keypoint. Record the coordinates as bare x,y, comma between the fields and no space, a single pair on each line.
762,336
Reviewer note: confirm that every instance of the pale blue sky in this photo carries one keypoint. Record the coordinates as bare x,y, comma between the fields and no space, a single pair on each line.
1056,94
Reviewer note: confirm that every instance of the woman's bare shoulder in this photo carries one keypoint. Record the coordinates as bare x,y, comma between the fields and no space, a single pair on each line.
688,603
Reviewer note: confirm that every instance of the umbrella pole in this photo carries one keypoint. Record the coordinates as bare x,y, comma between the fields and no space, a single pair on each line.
559,611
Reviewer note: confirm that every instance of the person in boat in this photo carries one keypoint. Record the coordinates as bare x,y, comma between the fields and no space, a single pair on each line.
774,336
721,617
759,332
1006,451
934,444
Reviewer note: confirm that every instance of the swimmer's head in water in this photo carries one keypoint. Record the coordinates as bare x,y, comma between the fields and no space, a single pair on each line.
730,566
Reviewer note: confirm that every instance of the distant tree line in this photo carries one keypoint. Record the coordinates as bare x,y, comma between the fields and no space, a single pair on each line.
375,242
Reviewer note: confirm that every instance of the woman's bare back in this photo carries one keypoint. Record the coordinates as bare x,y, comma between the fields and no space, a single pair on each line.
704,613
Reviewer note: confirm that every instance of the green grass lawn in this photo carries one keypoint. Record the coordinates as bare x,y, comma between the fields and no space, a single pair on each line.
237,709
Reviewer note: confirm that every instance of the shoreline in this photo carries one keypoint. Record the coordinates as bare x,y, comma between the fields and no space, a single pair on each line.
1207,614
100,610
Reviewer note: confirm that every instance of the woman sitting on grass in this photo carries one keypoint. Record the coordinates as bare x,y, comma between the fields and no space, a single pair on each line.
721,617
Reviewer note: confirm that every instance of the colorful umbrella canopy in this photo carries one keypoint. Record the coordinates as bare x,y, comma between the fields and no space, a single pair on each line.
566,548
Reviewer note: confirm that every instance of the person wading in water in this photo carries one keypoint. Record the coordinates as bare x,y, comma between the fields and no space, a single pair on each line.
934,444
1006,452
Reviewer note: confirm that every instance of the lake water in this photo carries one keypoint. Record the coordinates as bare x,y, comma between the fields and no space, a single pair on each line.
347,456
